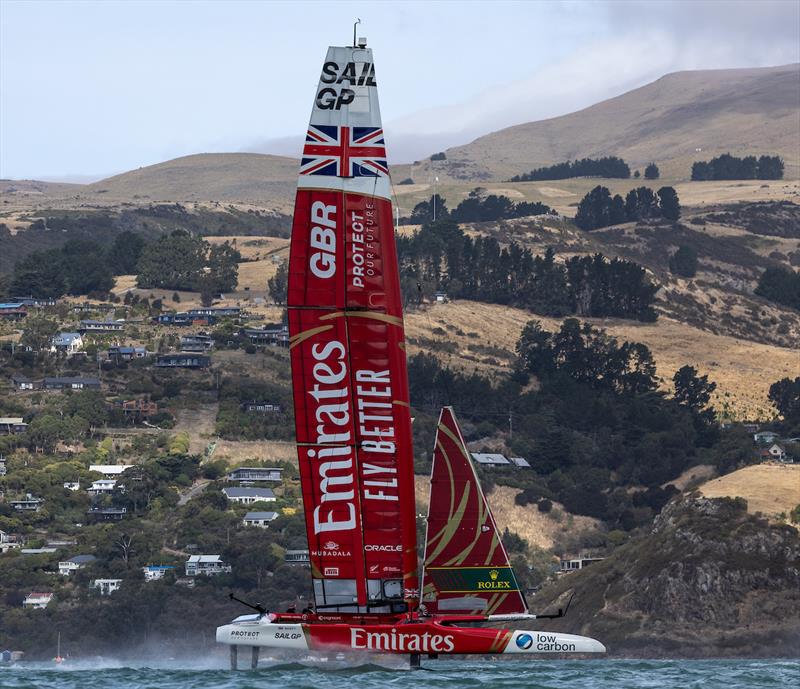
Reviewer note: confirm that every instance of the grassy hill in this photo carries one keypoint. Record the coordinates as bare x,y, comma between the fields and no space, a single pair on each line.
743,111
771,489
245,177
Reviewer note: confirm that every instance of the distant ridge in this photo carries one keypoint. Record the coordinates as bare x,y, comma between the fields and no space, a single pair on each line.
743,111
231,177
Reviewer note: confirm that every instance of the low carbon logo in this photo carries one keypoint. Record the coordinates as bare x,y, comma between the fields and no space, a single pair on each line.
524,641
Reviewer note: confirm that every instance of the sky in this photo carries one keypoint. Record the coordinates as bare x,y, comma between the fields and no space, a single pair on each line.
92,88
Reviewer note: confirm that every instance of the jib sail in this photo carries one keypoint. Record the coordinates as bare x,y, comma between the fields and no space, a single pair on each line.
466,568
347,352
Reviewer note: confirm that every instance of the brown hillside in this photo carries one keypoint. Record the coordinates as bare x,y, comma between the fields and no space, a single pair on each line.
246,177
744,111
484,335
771,489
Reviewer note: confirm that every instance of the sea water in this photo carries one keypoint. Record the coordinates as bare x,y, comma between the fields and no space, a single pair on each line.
455,674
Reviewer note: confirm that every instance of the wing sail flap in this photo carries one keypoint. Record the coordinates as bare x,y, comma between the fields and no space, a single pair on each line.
466,568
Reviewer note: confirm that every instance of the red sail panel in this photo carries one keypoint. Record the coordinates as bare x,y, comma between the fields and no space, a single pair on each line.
348,355
466,567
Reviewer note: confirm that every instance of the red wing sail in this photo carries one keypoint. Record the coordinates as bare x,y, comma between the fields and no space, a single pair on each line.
466,567
347,351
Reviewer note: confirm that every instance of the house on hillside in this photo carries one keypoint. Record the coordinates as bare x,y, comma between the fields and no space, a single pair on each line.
198,343
106,586
155,572
106,514
259,519
71,383
270,335
183,360
91,326
574,564
10,425
139,407
206,565
110,470
37,600
216,312
261,407
72,485
489,459
179,319
126,353
775,453
27,504
3,469
765,437
13,311
67,567
247,496
25,383
103,486
520,462
252,474
37,302
297,557
67,343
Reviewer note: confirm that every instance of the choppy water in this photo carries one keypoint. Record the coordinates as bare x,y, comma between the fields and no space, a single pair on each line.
459,674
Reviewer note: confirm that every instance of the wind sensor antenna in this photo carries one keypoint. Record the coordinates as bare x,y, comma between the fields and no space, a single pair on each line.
355,24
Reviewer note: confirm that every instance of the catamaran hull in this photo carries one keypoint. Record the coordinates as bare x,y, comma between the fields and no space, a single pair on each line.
424,637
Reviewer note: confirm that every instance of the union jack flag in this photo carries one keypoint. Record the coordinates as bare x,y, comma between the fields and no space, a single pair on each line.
344,152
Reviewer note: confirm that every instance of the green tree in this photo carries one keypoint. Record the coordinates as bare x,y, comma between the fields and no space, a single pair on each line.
38,333
785,395
123,254
652,171
684,262
278,284
174,261
669,203
781,286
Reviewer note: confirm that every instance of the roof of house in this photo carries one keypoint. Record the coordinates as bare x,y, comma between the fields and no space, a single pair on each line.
66,338
82,559
248,492
10,420
520,461
40,594
158,568
489,458
235,469
204,558
109,468
269,516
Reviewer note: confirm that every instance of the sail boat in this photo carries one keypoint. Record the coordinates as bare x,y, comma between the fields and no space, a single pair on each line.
353,426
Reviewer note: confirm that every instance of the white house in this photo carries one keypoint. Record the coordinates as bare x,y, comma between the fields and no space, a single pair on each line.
777,453
154,572
259,519
109,470
101,486
72,485
765,437
247,496
67,567
106,586
37,601
253,474
574,564
69,343
207,565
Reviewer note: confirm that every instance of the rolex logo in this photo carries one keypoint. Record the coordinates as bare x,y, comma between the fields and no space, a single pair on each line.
494,574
